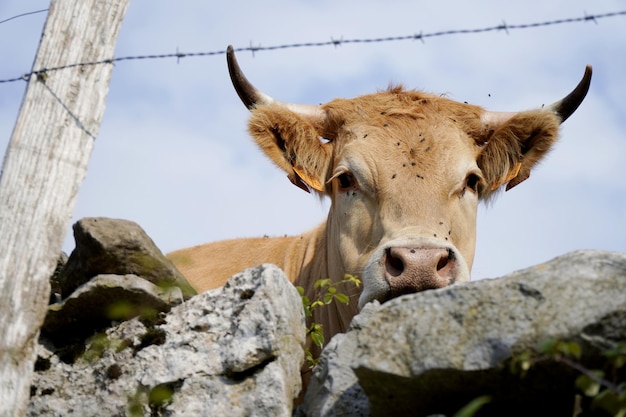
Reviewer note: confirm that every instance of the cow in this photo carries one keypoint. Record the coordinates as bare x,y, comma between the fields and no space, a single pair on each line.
404,170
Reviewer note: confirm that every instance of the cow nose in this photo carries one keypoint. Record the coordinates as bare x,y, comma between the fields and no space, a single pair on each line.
409,269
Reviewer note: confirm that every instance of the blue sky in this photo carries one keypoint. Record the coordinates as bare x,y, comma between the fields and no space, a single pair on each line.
173,154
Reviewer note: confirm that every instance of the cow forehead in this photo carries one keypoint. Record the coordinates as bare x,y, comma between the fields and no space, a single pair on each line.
404,106
400,144
409,123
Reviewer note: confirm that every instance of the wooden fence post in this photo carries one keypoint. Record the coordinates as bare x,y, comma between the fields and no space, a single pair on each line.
43,168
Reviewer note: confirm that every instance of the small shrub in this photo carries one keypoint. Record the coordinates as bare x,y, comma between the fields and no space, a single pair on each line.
327,292
605,389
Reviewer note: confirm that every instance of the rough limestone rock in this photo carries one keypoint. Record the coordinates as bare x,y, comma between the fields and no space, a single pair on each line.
103,299
431,353
120,247
234,351
55,285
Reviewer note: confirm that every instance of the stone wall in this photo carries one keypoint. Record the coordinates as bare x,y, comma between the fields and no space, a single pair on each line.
235,351
128,337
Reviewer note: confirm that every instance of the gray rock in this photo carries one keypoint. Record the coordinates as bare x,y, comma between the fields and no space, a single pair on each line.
55,285
232,351
119,247
334,390
433,352
102,300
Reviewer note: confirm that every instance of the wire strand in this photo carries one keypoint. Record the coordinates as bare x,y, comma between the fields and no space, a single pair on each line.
79,123
332,42
22,15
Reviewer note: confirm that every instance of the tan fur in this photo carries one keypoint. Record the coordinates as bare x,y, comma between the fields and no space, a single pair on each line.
291,142
525,138
211,265
410,154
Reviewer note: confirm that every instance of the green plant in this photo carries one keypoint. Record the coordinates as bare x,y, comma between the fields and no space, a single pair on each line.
605,388
326,292
471,408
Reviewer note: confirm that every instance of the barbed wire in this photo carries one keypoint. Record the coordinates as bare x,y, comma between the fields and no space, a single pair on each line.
332,42
22,15
42,73
76,119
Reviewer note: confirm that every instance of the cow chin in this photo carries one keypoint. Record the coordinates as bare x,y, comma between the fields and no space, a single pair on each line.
410,265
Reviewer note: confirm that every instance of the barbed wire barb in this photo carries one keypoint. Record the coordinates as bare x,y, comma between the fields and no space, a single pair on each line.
179,55
253,48
504,27
333,42
590,17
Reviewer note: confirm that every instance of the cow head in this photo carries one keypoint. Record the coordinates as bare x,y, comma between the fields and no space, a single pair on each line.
405,171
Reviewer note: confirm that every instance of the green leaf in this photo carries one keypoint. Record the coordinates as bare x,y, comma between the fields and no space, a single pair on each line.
317,337
614,351
619,361
310,360
300,290
548,346
327,292
352,279
574,349
328,298
609,401
161,394
315,327
342,298
617,355
322,283
587,385
473,406
568,349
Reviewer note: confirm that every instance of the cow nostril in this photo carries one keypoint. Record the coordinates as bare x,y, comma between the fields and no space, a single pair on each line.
393,265
446,267
443,261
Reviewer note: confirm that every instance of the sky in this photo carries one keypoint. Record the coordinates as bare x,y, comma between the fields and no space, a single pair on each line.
173,154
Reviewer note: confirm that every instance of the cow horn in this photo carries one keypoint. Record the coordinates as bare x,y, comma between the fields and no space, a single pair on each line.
248,93
565,107
253,97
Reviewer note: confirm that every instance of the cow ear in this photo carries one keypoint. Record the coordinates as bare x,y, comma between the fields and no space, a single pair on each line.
292,142
513,147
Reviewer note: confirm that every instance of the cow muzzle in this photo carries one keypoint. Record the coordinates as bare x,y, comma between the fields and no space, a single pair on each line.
411,266
414,269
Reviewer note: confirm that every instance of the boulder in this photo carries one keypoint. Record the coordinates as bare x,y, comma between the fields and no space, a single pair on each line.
432,353
103,300
119,247
232,351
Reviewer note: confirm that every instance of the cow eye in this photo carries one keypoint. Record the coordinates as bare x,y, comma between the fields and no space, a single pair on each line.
346,181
